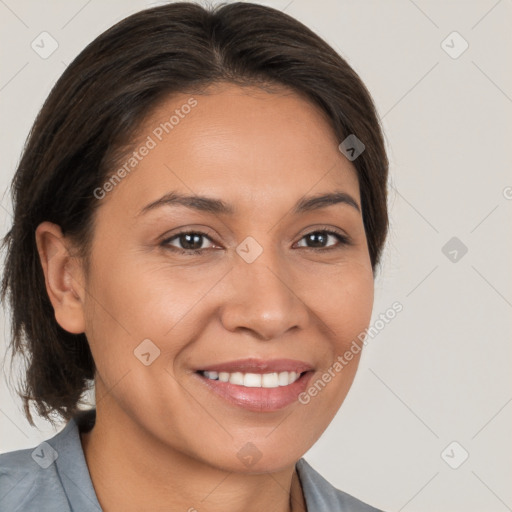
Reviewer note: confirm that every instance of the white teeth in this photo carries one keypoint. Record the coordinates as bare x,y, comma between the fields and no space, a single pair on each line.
270,380
237,378
283,378
224,376
252,380
255,380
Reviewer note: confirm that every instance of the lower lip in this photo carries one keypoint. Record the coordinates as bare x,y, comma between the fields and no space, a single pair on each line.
258,399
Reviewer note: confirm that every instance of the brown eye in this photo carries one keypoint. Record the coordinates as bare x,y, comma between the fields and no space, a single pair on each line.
188,241
320,239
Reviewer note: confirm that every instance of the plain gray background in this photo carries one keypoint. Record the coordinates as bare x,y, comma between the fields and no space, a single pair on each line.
440,371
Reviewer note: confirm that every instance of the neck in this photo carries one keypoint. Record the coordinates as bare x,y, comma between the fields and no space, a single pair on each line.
132,471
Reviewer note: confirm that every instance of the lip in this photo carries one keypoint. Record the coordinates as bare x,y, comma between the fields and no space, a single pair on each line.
258,399
253,365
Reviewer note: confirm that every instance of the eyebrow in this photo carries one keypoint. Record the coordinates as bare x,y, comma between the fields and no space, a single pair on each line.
217,206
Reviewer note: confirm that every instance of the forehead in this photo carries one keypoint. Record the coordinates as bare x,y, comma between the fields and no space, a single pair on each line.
243,144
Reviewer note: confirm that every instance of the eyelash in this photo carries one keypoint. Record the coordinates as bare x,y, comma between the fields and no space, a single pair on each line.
343,241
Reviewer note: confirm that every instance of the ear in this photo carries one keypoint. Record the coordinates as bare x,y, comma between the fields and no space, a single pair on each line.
63,277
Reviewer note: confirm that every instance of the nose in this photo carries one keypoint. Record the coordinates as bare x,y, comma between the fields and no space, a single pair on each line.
264,299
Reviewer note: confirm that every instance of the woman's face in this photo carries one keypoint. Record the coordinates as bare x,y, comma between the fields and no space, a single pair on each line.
266,284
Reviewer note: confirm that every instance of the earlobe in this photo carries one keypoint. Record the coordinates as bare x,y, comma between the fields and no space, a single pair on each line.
63,277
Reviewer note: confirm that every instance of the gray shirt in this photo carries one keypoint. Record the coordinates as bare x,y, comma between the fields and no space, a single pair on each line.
53,477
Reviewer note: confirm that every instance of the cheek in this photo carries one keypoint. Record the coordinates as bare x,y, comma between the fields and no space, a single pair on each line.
130,301
343,302
356,304
344,309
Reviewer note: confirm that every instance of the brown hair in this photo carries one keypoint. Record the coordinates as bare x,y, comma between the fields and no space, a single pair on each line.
95,109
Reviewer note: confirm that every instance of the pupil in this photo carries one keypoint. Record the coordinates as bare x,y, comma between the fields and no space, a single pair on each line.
318,239
188,241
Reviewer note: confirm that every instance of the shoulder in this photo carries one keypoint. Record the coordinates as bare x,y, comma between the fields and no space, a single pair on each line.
51,475
29,480
321,496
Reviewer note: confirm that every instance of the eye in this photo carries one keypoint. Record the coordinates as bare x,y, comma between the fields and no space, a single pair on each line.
189,242
192,242
320,239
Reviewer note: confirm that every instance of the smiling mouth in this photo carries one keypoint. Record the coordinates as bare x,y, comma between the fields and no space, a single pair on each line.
258,385
254,380
257,392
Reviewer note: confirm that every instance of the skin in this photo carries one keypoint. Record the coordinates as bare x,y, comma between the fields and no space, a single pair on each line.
162,441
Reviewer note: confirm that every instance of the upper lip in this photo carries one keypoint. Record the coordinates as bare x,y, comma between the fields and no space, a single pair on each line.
253,365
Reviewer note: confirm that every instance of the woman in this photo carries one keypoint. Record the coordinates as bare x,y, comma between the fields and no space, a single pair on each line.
199,213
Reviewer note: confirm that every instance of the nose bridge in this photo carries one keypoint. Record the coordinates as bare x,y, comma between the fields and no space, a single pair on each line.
264,300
